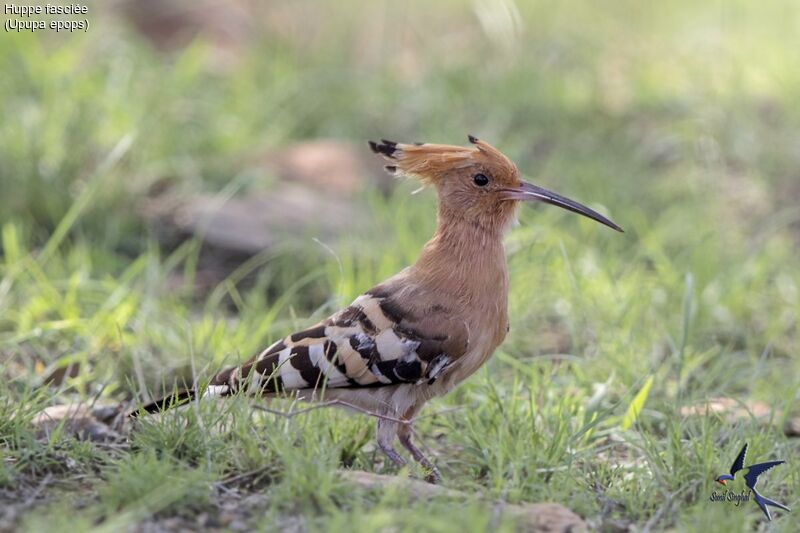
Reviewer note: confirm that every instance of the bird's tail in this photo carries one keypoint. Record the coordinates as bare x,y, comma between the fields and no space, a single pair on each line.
262,374
763,502
180,397
225,383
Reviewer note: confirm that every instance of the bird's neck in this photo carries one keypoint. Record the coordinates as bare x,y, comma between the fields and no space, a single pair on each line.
466,262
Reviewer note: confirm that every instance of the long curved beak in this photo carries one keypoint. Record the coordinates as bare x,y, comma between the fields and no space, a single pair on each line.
530,192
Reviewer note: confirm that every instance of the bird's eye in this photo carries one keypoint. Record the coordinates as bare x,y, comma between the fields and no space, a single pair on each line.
480,180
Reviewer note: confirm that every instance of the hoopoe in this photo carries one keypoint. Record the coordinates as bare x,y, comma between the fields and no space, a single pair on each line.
423,331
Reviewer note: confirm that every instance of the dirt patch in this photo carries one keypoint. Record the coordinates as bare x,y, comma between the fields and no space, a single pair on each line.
539,517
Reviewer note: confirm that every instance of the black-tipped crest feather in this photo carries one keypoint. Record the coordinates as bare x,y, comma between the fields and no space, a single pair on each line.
384,147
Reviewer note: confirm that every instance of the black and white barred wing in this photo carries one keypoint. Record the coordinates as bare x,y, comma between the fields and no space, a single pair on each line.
373,342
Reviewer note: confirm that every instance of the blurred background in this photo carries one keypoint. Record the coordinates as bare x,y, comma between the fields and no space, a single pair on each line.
188,180
244,124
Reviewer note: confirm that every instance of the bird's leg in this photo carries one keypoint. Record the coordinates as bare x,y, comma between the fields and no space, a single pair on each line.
387,431
433,476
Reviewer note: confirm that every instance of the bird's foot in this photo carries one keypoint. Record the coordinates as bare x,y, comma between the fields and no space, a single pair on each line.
434,477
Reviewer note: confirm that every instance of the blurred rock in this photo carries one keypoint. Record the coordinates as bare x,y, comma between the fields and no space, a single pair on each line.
792,427
733,410
546,517
252,224
98,423
317,195
173,24
728,408
339,167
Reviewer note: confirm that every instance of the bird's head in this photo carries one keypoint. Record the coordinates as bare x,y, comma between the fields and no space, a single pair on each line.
724,478
475,184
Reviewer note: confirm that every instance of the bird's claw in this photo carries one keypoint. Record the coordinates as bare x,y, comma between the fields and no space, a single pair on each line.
433,476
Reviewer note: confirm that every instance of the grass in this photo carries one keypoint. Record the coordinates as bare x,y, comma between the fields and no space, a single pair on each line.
678,120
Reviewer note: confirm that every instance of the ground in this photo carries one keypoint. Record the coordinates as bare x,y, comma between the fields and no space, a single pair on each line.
636,367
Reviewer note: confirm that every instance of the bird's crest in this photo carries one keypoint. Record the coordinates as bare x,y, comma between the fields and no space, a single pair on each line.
431,162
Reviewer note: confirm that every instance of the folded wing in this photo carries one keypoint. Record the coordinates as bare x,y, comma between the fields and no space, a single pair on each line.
376,341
